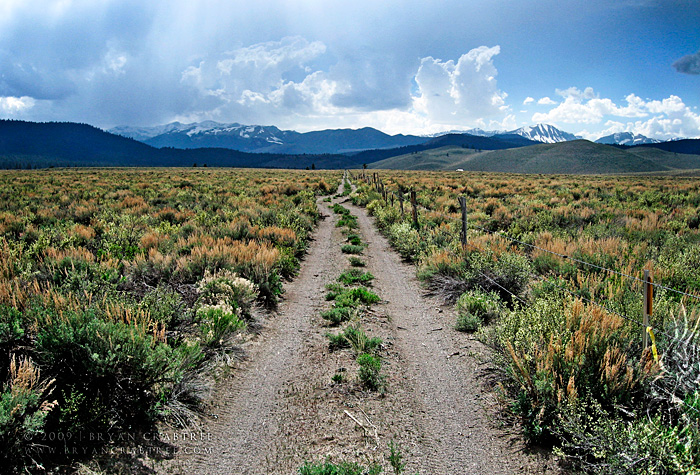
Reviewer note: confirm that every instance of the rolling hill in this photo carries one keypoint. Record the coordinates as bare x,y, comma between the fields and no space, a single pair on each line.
572,157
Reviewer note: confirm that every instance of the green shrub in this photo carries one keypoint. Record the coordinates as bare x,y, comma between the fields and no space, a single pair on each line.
165,306
354,239
337,315
23,412
475,306
355,276
395,458
405,240
342,468
508,271
586,354
355,337
352,249
334,289
599,442
356,296
357,262
340,209
227,290
12,331
217,324
369,372
337,342
468,322
116,372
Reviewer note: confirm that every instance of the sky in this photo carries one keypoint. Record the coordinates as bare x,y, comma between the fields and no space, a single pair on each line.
590,67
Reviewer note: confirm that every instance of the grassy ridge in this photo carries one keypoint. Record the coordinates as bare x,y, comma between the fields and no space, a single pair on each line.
575,157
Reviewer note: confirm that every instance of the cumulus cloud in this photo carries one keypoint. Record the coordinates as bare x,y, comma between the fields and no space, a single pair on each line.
461,92
661,119
251,81
689,64
586,107
16,105
546,101
528,100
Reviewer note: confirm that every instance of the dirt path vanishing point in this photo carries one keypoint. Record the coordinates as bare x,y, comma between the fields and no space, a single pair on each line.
280,408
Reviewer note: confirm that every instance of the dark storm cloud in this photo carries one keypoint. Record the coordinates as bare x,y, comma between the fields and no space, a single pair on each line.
689,64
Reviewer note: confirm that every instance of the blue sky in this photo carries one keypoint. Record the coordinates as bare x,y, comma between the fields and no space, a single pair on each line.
403,66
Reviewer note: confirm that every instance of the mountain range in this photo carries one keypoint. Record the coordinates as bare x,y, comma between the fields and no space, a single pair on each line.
36,145
265,139
270,139
626,138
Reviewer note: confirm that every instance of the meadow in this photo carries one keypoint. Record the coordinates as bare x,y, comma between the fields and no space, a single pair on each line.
124,294
551,278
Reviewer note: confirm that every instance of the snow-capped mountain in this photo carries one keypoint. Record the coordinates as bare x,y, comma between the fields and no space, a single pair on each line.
206,134
264,139
477,132
626,138
544,133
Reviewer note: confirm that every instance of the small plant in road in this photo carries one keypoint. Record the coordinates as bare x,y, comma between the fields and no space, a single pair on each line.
369,372
395,458
352,249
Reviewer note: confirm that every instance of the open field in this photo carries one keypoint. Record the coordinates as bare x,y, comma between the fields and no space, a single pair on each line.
249,307
551,278
123,293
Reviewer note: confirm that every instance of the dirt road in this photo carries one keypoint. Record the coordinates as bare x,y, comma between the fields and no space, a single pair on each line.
280,407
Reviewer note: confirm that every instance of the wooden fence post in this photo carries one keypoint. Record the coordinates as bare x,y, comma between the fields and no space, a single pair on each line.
414,204
647,306
463,234
401,201
392,199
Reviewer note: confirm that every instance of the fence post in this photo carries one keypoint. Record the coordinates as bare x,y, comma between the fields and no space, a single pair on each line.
392,199
463,234
647,306
401,201
414,204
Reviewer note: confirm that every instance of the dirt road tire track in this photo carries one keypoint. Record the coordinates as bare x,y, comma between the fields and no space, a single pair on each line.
244,432
443,366
279,408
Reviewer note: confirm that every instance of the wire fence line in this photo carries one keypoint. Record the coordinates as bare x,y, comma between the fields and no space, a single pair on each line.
379,186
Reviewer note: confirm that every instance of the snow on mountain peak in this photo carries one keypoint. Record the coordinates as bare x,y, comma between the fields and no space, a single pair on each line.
544,133
625,138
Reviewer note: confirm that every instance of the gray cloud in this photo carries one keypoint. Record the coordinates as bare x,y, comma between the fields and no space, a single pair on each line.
689,64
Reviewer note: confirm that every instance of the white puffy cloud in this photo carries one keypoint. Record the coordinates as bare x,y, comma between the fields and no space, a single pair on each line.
586,107
252,84
546,101
452,93
661,119
15,105
528,100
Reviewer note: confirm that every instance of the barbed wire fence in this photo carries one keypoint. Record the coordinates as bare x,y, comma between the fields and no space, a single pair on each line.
648,285
648,331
